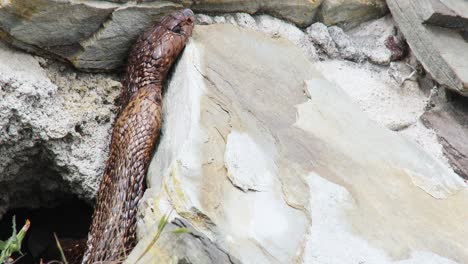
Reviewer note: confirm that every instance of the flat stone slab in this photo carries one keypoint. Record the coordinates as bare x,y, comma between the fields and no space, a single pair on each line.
451,125
265,161
439,14
96,35
442,52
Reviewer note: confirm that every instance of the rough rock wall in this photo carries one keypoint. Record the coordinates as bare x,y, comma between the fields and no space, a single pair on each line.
54,129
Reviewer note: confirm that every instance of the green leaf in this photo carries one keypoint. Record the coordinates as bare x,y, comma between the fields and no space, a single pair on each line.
2,244
163,222
64,259
181,230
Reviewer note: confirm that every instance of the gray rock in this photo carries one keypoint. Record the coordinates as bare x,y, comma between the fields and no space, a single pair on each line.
441,51
53,25
371,38
323,175
54,130
300,12
318,34
245,20
96,35
203,19
107,49
346,46
350,13
450,121
219,20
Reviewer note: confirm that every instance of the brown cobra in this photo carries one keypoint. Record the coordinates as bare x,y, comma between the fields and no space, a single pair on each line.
136,131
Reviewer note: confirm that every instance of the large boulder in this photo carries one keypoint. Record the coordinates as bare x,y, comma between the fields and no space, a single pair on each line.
265,161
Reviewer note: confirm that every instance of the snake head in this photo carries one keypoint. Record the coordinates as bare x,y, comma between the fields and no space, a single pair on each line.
156,50
180,22
169,38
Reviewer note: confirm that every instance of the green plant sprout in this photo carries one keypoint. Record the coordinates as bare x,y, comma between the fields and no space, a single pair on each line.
13,244
161,225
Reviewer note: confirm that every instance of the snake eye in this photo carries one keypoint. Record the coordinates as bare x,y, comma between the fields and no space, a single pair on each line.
177,29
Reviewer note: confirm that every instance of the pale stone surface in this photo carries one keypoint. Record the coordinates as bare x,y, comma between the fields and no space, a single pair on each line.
377,93
54,130
339,187
241,171
267,24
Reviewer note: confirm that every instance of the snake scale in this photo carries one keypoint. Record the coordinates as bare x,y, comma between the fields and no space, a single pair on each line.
136,131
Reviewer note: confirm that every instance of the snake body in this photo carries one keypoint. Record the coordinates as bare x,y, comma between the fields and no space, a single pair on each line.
136,131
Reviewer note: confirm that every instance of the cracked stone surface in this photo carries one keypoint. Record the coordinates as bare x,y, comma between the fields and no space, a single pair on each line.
324,175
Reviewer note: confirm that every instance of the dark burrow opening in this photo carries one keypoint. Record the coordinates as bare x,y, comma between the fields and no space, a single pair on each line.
69,220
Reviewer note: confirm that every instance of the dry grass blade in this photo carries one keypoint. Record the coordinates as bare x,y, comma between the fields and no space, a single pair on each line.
64,259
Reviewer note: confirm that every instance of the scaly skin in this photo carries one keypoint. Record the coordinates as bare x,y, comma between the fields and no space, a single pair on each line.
136,131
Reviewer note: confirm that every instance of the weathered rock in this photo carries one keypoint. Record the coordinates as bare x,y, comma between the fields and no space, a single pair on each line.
96,36
448,13
450,122
300,12
346,46
371,36
318,34
350,13
54,130
53,24
51,27
109,46
442,52
258,147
